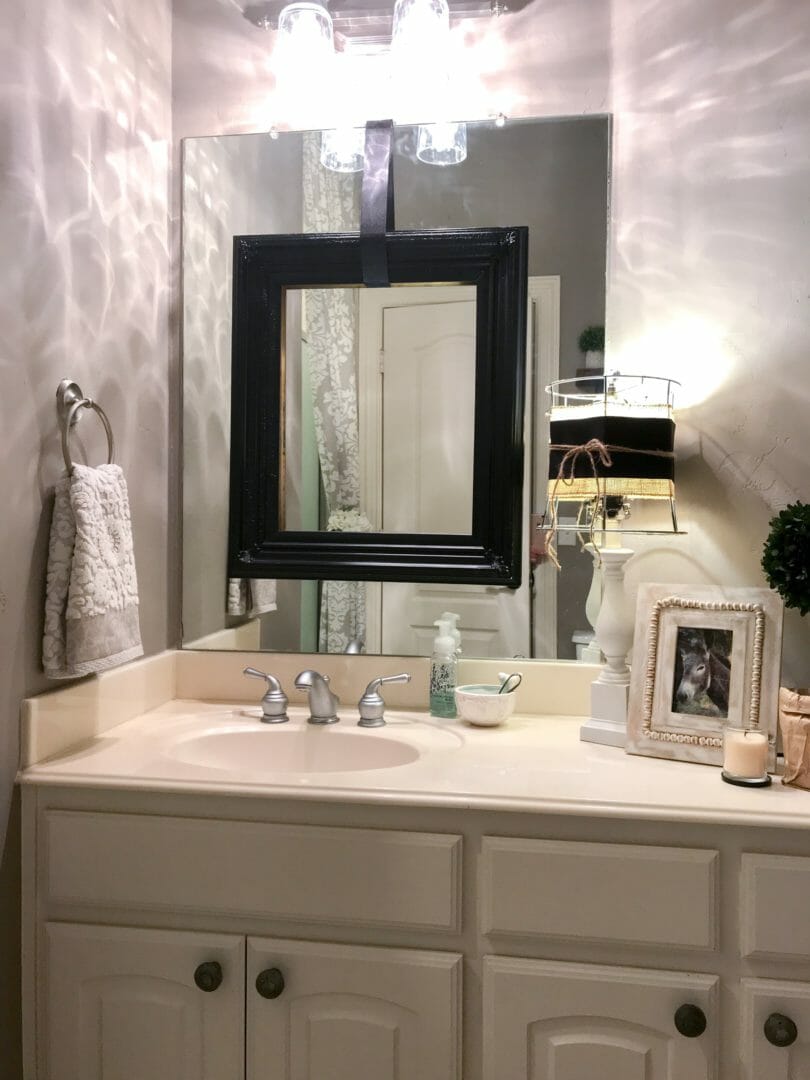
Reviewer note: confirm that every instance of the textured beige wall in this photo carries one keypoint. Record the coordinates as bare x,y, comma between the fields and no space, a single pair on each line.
84,276
709,277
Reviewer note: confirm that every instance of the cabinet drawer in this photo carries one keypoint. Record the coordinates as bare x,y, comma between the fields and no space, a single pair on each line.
301,873
600,892
773,904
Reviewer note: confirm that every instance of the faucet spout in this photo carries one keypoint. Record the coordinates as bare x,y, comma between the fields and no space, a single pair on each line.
323,703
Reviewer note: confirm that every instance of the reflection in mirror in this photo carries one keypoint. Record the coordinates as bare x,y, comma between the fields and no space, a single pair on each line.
379,409
551,175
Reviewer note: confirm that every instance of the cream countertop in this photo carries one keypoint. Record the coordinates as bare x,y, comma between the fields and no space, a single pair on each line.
530,764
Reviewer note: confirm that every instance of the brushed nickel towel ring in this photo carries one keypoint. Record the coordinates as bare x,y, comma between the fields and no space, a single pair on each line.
69,402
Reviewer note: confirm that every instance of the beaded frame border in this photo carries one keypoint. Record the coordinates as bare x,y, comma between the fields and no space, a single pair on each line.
664,735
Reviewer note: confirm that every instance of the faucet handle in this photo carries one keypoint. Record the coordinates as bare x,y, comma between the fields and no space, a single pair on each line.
274,702
371,704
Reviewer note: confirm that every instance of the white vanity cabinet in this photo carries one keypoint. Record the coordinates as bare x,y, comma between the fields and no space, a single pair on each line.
133,1004
423,943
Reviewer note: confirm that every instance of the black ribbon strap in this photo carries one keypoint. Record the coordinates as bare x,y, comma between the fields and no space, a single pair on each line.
376,202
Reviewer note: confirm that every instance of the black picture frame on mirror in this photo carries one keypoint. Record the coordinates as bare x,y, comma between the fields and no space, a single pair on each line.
495,262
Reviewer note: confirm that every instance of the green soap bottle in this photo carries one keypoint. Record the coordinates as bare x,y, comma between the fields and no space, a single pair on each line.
443,668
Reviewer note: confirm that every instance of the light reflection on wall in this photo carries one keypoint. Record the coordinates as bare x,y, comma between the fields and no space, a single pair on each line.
690,348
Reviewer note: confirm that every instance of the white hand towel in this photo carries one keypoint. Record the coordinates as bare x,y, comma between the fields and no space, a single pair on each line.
251,596
91,595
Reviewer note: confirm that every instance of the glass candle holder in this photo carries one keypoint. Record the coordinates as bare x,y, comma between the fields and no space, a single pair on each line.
745,757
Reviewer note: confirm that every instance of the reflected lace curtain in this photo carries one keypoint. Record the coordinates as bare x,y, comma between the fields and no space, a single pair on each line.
331,204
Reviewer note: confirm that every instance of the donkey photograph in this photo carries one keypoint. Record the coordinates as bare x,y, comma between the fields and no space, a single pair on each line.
702,671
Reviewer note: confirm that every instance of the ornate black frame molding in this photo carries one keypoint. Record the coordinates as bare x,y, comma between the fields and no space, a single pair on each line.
495,262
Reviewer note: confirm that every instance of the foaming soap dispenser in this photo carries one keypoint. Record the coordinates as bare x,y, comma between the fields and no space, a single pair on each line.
443,666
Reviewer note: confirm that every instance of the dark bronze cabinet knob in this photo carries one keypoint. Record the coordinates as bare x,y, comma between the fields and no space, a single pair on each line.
780,1030
270,983
690,1021
208,976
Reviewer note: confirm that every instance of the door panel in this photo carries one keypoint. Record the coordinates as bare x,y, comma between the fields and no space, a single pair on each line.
122,1005
761,998
348,1012
556,1021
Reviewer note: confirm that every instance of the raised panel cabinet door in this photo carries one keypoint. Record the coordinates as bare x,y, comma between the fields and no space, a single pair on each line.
123,1004
346,1012
557,1021
775,1030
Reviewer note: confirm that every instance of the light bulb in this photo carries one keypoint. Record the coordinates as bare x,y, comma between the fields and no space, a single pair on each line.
420,29
305,33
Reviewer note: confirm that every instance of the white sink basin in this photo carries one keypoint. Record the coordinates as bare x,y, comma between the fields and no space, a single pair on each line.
293,750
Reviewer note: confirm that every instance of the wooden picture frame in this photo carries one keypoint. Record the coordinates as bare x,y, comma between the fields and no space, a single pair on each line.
704,658
495,262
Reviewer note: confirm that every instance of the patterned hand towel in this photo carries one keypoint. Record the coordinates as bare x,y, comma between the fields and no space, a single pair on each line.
91,595
251,596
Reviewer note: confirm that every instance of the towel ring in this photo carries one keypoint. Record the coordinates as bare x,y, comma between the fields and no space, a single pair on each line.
70,419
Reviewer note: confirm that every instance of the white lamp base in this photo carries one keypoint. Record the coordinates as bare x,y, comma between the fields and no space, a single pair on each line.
608,722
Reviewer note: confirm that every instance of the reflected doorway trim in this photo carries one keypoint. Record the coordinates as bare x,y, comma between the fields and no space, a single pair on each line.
543,352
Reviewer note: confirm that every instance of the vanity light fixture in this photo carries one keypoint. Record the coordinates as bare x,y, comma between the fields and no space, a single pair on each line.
415,33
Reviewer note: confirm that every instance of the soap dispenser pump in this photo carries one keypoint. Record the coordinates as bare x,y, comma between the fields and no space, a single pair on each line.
443,672
454,620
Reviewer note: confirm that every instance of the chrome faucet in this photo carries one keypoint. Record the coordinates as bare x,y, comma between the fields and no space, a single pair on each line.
322,702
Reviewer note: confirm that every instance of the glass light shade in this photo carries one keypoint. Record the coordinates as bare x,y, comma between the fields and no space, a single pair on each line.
442,144
305,34
420,30
343,150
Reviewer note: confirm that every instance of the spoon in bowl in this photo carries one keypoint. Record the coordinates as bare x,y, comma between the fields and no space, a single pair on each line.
510,683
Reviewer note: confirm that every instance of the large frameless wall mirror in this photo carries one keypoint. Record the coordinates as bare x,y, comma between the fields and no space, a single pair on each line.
378,426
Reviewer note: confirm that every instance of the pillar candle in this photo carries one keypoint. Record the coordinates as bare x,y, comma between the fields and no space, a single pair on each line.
745,753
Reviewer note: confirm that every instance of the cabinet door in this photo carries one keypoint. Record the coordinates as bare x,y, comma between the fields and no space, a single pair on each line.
554,1021
122,1004
348,1012
761,999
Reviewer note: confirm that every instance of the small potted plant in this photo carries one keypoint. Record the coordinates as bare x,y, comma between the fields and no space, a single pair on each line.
786,562
592,344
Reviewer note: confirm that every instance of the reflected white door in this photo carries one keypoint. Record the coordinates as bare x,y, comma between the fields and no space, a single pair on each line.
417,411
122,1004
348,1012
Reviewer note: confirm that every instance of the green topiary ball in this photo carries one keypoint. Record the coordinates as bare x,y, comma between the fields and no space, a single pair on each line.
786,556
592,339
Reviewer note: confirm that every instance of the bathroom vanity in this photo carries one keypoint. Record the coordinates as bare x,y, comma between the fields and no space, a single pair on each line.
506,904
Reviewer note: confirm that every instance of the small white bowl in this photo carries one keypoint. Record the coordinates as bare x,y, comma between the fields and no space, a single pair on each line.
482,705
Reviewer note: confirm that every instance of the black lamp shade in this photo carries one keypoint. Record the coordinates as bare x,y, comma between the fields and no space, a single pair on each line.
641,449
